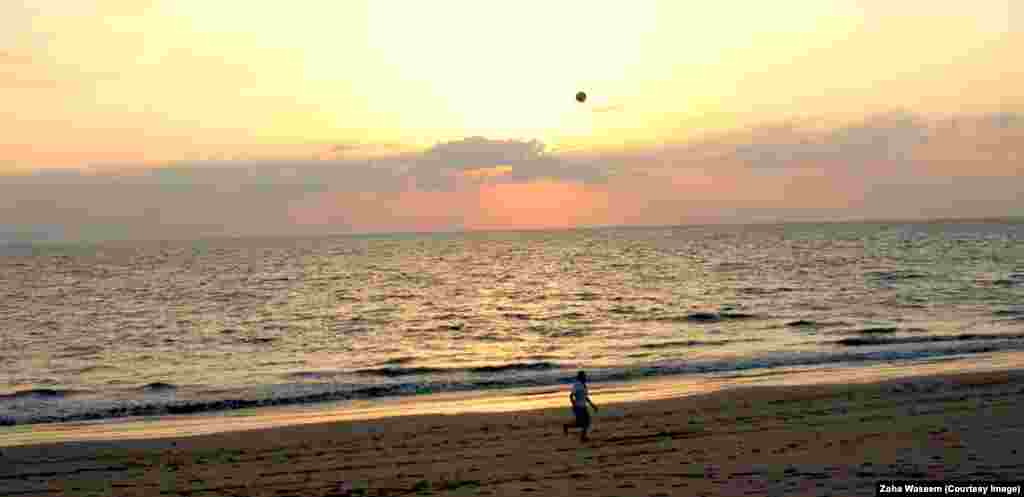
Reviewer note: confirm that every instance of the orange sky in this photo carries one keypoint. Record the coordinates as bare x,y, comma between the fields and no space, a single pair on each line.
391,116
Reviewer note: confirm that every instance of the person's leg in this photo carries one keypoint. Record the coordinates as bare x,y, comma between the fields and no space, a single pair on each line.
584,422
579,415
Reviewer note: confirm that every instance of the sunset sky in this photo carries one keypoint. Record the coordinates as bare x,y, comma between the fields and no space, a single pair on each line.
151,119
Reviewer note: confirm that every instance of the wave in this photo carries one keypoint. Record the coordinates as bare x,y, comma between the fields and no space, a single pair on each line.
789,360
159,386
497,337
498,368
873,341
696,343
529,366
394,372
1009,313
1011,280
755,375
38,393
399,360
544,374
810,323
704,317
623,309
895,275
79,351
313,375
755,290
877,329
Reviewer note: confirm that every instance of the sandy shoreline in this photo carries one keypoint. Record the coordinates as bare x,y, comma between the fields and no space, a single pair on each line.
757,440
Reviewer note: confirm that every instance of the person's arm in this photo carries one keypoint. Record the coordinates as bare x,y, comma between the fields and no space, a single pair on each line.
591,402
572,397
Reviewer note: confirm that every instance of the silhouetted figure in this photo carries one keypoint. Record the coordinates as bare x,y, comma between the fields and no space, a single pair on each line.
579,398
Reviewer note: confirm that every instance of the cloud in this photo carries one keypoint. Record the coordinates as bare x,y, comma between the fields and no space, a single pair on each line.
882,144
884,137
488,172
472,152
299,195
888,165
443,166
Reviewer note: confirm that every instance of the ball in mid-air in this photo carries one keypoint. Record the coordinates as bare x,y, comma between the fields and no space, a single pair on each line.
581,97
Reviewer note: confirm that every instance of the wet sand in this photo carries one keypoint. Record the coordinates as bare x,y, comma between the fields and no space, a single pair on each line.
752,440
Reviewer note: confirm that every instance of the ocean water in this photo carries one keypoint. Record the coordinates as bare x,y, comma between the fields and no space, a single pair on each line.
105,330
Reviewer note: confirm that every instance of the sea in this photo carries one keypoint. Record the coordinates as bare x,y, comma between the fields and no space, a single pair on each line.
106,330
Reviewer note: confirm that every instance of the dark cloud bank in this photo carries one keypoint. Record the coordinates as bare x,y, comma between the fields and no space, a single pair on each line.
198,198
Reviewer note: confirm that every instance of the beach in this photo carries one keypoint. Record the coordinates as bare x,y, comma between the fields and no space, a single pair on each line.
772,439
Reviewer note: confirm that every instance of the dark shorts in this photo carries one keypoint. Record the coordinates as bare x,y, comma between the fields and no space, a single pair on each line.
582,416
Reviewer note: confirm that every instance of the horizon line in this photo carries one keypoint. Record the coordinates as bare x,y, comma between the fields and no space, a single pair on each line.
385,234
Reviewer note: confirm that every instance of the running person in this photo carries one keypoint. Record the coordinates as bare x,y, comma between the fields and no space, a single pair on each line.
579,398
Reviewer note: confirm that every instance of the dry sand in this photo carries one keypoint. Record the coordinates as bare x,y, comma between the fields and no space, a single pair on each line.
759,440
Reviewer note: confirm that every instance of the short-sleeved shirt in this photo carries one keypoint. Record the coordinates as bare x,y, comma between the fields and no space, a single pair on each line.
580,390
